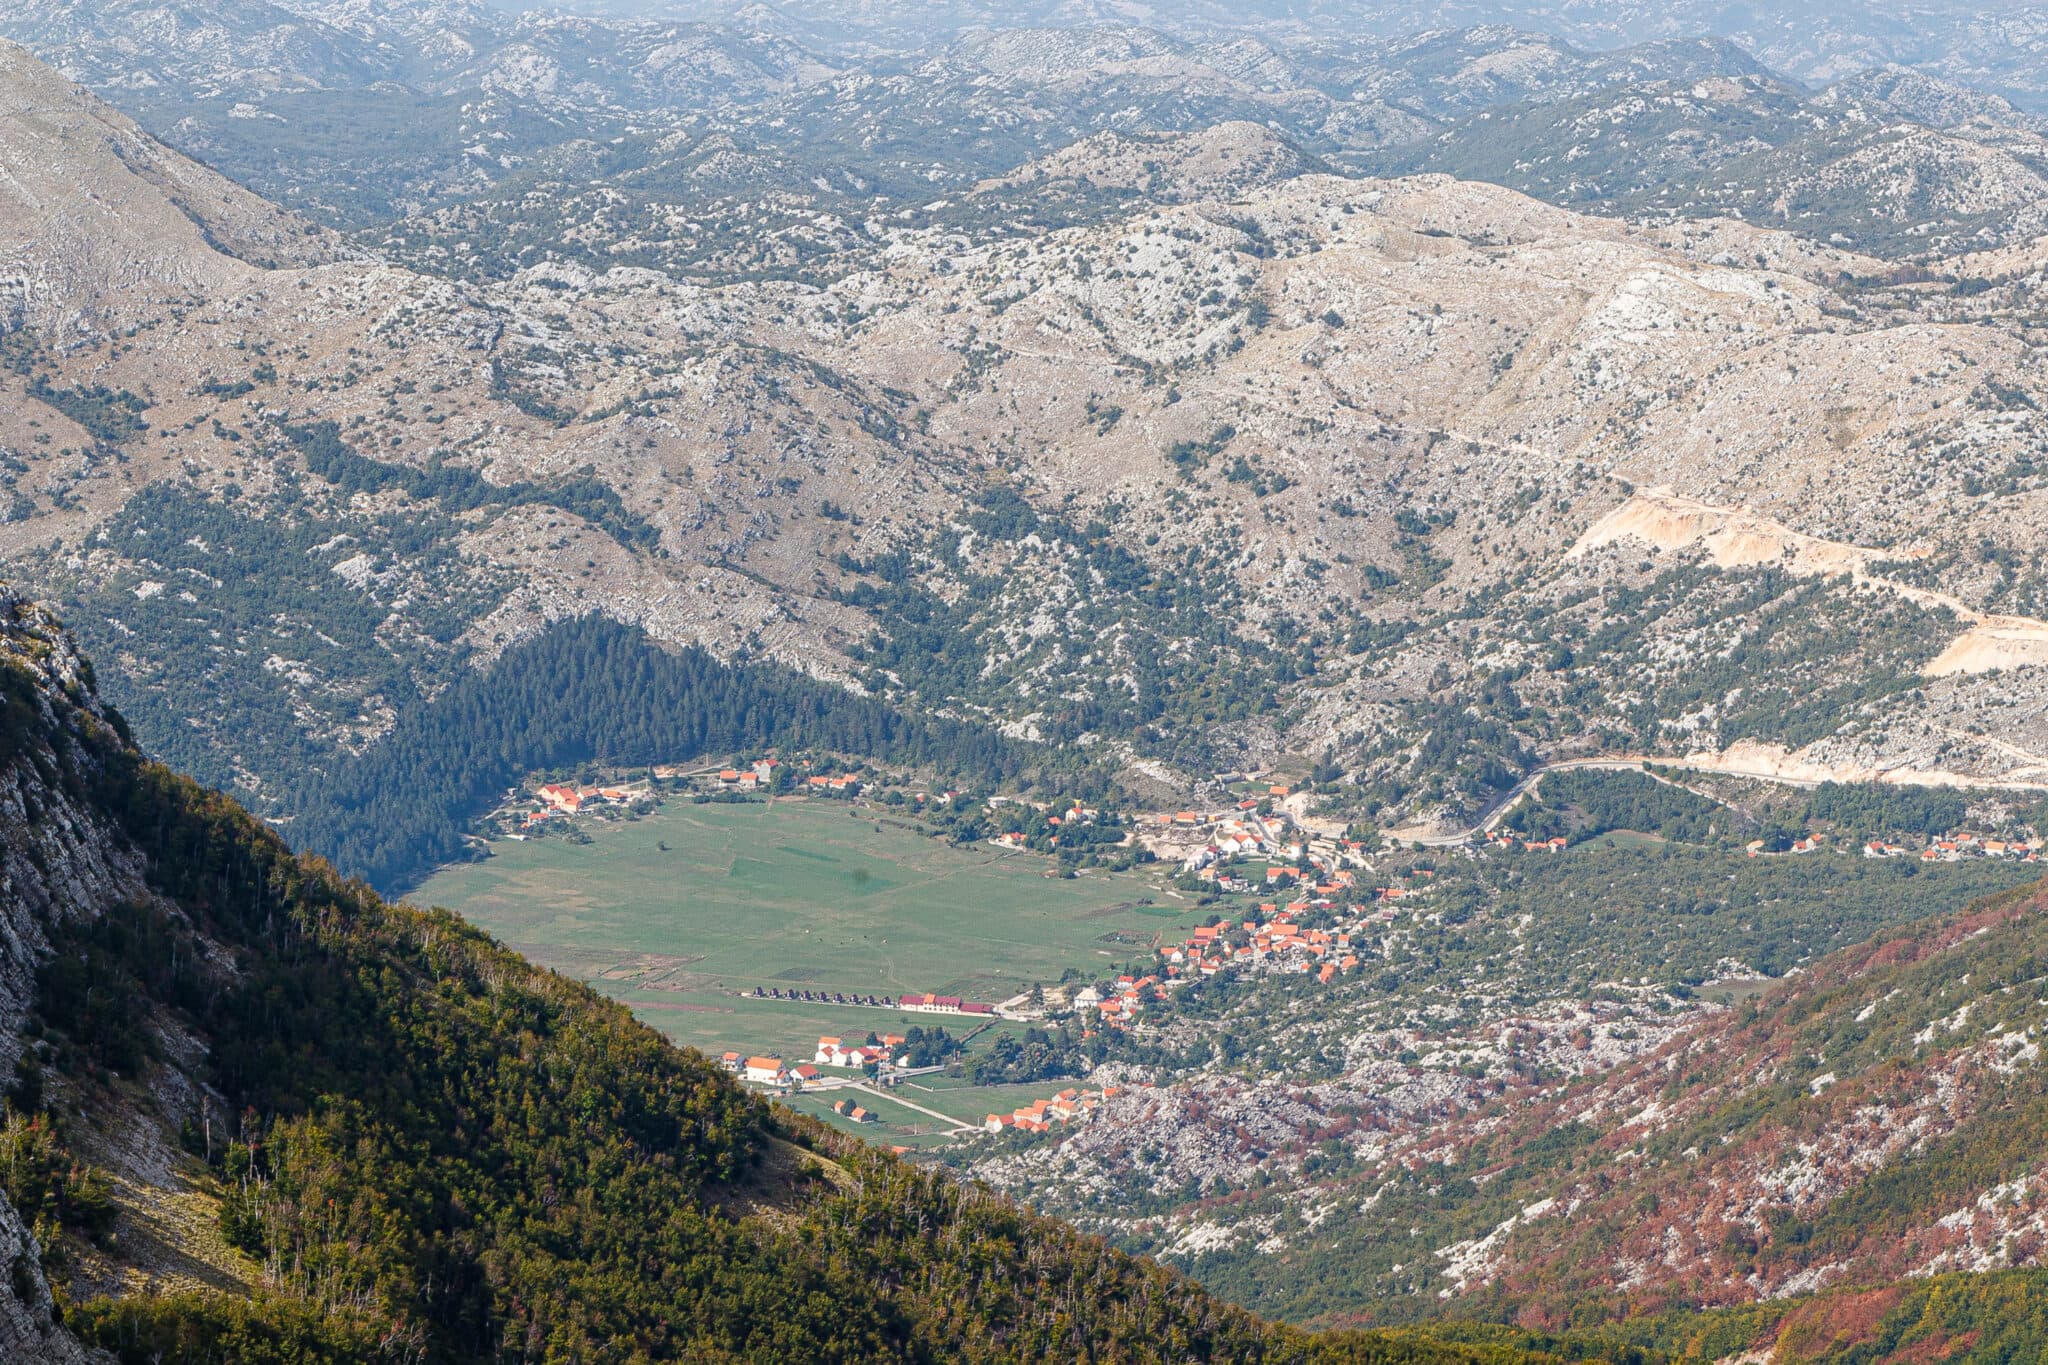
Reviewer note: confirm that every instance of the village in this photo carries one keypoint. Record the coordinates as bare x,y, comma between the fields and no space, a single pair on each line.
1257,827
523,814
1253,844
554,801
1292,898
1325,913
1949,848
1320,937
1953,849
878,1060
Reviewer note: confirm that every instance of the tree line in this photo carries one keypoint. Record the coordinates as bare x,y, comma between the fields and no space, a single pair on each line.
594,691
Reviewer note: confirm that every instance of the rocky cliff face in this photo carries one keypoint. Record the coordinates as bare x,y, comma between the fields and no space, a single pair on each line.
30,1332
58,861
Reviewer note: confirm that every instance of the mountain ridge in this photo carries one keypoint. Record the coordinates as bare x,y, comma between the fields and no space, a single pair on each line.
1251,389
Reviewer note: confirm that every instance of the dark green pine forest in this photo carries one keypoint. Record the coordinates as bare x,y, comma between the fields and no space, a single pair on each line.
592,690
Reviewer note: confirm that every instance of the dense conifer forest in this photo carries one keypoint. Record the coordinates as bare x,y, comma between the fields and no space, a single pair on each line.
593,691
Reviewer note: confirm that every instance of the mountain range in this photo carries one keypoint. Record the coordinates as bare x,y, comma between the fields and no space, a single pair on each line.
1612,427
1325,405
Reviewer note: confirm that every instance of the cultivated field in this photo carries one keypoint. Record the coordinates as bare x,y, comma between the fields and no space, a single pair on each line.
677,912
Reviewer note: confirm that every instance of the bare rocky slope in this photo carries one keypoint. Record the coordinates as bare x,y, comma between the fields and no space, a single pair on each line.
1868,1120
1362,423
1894,163
1185,451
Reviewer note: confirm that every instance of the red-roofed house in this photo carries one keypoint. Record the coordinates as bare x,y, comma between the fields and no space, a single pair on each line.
565,799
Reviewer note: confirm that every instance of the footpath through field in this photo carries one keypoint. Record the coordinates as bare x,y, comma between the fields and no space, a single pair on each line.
893,1098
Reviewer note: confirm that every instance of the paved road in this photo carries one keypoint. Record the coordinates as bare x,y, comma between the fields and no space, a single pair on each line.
1492,814
1496,810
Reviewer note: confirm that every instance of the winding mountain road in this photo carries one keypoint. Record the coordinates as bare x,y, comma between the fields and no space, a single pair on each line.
1496,810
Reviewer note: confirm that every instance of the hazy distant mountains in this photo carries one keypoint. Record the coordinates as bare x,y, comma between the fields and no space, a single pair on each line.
362,112
1996,46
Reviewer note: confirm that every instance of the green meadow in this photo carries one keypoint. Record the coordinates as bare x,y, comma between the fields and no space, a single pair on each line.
679,912
973,1103
894,1124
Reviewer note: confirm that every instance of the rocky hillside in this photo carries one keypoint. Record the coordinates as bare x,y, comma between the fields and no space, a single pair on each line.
1423,474
1898,164
365,113
358,111
1870,1120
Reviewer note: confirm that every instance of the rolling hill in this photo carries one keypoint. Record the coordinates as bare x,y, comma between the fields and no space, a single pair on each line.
1849,166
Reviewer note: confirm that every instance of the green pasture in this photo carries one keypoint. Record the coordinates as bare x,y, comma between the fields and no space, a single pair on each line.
894,1124
973,1103
680,912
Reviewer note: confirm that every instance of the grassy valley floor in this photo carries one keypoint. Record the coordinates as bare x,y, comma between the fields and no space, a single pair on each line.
678,912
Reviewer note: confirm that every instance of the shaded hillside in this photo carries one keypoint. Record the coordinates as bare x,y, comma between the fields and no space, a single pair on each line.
595,691
416,1146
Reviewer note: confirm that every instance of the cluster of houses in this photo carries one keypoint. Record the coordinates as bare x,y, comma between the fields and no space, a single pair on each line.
1069,1106
1948,850
1244,834
1076,814
1757,848
858,1056
832,1052
762,772
1958,847
847,1109
839,1054
1508,841
759,773
557,800
770,1071
1274,941
1124,1001
1277,941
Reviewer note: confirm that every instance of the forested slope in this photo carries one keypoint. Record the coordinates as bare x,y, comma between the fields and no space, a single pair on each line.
592,690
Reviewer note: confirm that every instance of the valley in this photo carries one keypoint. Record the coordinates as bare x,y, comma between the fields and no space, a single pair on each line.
680,912
1003,681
